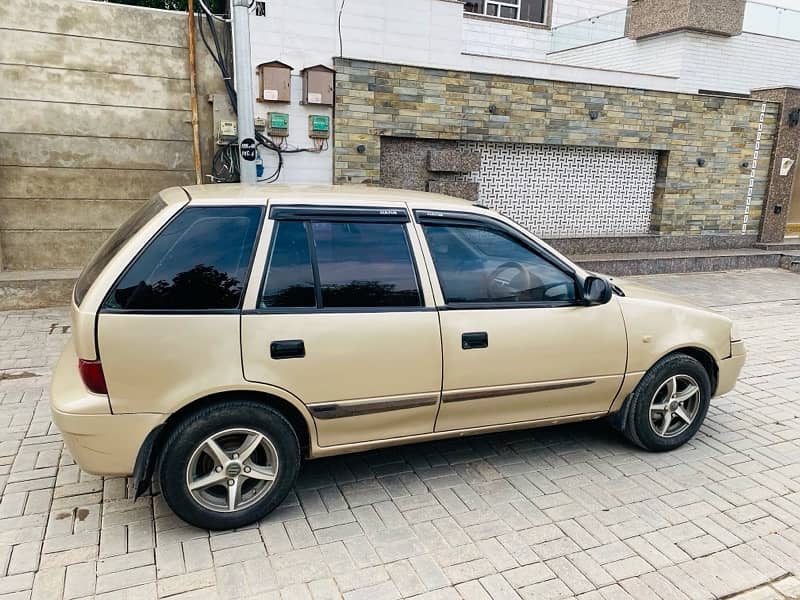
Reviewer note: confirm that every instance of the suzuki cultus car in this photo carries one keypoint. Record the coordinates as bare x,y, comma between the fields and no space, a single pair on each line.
225,332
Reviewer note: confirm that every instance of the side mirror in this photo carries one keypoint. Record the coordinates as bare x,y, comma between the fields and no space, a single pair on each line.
596,290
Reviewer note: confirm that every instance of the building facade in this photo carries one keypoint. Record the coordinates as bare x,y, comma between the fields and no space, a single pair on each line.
575,117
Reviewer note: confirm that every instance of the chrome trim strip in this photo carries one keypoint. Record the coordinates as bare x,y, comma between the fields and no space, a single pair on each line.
510,390
354,408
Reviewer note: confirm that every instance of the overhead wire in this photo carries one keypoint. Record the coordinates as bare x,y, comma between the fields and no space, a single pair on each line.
339,20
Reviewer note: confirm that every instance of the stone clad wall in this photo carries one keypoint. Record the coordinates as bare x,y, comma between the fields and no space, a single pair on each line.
653,17
94,118
378,99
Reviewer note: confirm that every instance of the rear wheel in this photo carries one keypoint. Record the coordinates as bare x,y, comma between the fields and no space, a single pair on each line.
669,405
229,464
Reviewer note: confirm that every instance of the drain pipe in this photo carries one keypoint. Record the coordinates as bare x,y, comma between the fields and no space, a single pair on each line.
198,169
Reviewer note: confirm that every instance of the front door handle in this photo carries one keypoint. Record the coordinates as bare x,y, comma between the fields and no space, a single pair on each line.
474,339
281,349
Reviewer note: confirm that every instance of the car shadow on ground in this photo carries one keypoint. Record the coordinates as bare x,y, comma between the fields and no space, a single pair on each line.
473,458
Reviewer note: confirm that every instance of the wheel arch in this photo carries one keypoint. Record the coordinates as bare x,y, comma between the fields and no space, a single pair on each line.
702,355
150,451
705,358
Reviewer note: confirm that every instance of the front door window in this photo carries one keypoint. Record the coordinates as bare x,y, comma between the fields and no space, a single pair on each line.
477,264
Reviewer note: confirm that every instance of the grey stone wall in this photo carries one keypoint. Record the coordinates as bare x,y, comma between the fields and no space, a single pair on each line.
94,118
653,17
787,145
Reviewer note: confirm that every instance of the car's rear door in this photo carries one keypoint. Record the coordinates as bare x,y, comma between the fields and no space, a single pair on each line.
517,345
342,319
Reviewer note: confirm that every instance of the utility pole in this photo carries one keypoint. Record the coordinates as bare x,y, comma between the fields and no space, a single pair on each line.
243,77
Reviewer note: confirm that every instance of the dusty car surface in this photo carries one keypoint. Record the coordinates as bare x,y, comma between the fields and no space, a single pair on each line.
225,332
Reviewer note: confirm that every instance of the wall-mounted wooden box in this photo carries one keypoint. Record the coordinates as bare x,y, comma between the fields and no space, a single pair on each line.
274,82
318,85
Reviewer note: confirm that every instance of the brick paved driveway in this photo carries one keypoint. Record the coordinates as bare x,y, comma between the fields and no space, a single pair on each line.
551,513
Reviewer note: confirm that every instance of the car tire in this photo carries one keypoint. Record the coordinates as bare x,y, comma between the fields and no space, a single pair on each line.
669,404
206,481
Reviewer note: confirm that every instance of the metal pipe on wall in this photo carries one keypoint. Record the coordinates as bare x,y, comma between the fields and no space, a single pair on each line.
198,169
243,77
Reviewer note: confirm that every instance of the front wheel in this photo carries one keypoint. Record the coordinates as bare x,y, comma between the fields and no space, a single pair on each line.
229,464
669,405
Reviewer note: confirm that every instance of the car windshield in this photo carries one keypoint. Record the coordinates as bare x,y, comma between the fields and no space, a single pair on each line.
112,245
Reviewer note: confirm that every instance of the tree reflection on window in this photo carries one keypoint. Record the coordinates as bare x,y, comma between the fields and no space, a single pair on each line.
197,288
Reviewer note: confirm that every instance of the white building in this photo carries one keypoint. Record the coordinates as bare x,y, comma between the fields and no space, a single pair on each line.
710,47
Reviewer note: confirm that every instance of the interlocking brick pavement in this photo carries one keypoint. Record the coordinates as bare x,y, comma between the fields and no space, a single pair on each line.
548,513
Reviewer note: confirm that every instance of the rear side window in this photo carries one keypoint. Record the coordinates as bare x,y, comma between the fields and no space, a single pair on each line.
112,245
290,277
340,265
199,261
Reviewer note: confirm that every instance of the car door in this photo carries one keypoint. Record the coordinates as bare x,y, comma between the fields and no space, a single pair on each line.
518,345
342,321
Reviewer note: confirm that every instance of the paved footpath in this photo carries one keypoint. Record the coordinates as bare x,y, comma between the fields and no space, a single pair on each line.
549,513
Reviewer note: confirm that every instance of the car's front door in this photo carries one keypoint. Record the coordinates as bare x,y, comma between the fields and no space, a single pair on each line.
343,321
518,346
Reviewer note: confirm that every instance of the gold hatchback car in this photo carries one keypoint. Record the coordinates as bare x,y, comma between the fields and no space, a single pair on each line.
225,332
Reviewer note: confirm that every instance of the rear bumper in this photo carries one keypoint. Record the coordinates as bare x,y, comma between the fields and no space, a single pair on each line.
730,368
100,442
105,444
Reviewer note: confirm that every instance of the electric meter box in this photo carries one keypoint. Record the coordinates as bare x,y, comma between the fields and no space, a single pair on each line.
278,124
227,130
319,126
260,123
274,82
318,85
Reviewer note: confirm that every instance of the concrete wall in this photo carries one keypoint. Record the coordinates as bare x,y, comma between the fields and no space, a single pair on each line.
94,118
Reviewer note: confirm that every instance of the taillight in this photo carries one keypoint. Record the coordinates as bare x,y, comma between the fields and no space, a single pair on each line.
92,375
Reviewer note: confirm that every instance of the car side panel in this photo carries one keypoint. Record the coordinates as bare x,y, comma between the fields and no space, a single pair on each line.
157,363
656,328
540,363
364,376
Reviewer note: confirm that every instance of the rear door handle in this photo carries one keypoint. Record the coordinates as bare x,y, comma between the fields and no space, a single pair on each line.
474,339
281,349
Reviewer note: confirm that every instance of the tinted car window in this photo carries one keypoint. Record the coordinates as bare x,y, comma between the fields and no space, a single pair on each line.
478,264
290,277
112,245
365,265
199,261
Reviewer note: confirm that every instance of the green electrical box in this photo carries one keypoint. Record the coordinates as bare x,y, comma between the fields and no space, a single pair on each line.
319,126
278,124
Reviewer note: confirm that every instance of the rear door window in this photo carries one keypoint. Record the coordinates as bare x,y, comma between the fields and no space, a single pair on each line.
199,261
112,245
321,264
365,265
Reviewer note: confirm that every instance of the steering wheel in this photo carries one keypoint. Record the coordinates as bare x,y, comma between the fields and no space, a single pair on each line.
500,287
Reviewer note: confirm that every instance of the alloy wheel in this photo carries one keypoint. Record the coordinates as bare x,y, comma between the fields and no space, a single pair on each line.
232,470
674,406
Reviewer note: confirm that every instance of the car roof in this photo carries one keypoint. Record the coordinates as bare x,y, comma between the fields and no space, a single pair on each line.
236,193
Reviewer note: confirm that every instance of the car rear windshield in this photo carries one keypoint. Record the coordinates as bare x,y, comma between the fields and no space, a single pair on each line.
112,245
